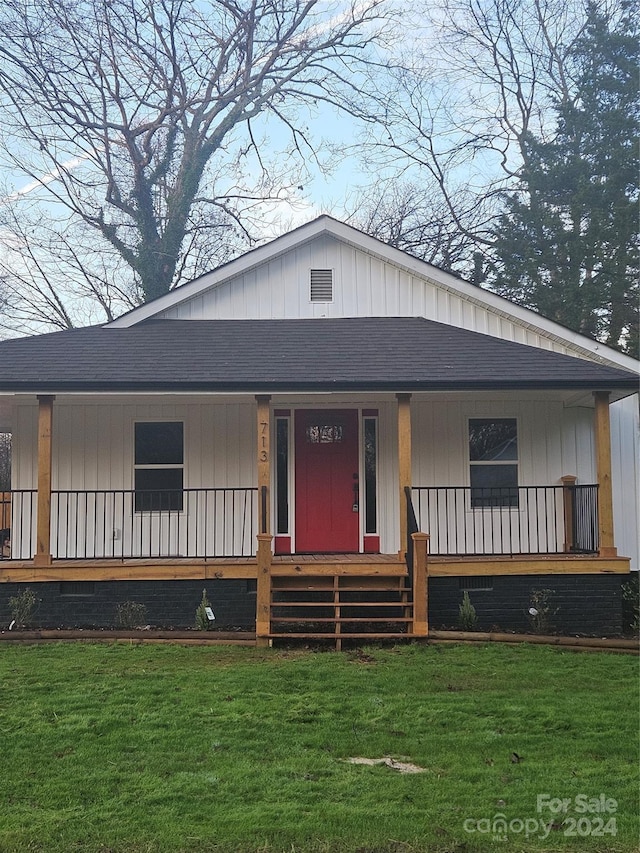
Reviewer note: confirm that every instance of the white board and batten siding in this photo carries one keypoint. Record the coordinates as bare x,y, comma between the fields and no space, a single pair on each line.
625,474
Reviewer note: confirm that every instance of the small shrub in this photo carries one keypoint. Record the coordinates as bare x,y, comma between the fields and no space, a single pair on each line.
131,614
203,623
467,618
541,610
22,607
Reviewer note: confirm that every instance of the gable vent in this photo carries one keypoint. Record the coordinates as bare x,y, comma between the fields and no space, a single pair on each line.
321,289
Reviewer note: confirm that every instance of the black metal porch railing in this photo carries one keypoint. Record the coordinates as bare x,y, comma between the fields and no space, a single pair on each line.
412,527
584,519
124,524
18,524
464,520
223,522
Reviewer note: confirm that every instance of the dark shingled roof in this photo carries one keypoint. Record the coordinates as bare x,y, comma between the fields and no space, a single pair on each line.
399,354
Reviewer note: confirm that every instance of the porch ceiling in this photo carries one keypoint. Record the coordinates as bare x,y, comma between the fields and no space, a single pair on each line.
294,399
363,354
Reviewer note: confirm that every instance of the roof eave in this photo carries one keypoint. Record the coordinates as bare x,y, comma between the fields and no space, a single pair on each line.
629,386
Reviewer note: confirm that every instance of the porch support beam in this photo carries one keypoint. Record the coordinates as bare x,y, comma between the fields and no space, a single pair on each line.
404,464
264,463
420,584
42,557
263,590
603,472
264,553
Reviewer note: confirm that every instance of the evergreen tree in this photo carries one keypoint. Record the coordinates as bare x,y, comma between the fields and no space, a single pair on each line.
567,245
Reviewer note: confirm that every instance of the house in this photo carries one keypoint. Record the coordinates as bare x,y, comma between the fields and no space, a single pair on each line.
330,436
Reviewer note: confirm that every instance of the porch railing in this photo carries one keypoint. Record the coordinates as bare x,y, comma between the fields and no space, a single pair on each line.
223,522
169,523
18,524
412,527
584,519
464,520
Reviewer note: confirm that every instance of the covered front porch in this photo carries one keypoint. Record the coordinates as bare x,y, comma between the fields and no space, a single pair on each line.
400,531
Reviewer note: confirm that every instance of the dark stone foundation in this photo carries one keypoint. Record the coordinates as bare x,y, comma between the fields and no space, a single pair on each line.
589,605
170,604
578,604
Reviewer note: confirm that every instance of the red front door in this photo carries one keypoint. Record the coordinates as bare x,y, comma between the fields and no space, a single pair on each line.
327,490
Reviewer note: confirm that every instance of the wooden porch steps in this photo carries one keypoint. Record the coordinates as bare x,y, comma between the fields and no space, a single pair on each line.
339,607
318,635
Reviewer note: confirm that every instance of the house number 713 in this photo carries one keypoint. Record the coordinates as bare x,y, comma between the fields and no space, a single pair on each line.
264,433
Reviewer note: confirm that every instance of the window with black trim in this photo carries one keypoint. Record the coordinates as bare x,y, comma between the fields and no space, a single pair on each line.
158,465
370,427
493,462
282,475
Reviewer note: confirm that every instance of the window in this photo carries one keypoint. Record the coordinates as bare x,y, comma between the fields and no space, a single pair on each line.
324,434
321,286
282,475
159,465
493,462
370,474
5,462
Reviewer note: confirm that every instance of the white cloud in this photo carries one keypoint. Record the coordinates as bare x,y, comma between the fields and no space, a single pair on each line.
45,179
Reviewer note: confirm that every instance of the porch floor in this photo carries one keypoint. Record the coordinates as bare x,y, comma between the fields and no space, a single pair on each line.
187,568
526,564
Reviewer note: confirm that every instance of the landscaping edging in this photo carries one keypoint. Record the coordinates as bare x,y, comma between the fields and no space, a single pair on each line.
186,638
594,644
248,638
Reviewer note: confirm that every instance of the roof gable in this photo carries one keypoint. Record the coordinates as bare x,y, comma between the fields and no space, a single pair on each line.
372,279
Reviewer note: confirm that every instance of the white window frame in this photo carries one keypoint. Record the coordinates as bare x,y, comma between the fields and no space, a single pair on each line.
493,462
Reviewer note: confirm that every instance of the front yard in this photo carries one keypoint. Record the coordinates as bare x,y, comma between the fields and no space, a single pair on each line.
125,749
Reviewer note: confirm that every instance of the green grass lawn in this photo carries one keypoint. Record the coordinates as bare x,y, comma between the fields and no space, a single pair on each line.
125,749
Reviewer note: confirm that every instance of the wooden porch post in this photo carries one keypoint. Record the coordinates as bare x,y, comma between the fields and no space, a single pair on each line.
264,463
420,584
42,557
263,590
264,552
603,473
568,494
404,464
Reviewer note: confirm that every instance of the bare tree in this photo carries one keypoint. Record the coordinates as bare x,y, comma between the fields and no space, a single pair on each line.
455,117
417,219
141,124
